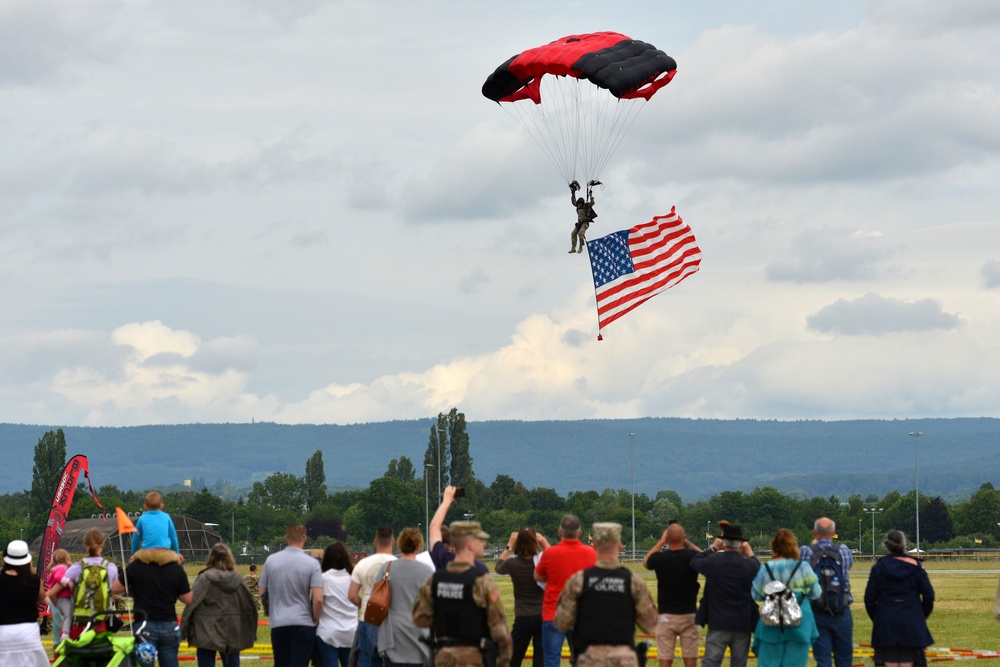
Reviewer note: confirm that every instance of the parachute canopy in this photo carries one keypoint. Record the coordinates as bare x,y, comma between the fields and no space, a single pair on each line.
578,95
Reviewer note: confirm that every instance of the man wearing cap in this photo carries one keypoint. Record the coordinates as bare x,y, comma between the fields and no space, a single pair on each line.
729,568
603,604
463,606
557,564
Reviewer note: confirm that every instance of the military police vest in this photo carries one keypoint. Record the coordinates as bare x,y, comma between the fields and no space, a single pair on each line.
605,613
458,620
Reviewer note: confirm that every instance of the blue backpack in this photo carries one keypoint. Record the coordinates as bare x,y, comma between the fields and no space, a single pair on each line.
828,565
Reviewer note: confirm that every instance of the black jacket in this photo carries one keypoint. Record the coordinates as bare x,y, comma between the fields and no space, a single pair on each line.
728,580
898,599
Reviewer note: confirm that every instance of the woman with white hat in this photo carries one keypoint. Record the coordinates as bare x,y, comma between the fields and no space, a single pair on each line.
20,593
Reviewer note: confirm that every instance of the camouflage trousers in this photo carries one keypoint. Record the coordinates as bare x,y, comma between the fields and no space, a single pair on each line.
579,231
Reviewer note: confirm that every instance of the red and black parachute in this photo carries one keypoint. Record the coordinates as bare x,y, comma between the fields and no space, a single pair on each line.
578,95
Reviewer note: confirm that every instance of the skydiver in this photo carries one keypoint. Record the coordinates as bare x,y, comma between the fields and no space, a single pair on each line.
585,214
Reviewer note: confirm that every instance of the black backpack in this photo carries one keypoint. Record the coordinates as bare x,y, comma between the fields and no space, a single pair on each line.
828,565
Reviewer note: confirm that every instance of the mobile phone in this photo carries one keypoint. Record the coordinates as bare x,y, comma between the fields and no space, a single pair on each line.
460,492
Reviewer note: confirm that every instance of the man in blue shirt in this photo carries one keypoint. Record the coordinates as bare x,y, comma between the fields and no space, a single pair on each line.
836,630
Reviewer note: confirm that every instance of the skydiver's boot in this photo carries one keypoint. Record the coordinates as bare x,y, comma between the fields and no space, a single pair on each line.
581,249
572,250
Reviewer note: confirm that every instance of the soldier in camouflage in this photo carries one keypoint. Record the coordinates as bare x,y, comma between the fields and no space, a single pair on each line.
463,606
253,582
603,604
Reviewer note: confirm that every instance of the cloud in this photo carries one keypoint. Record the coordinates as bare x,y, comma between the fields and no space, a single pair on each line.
830,254
490,173
991,274
473,282
42,40
158,368
285,13
877,315
883,101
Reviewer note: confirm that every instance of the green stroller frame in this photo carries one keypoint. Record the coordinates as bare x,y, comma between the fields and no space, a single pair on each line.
98,649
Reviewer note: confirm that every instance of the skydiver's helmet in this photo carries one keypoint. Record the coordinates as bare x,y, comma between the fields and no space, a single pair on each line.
580,203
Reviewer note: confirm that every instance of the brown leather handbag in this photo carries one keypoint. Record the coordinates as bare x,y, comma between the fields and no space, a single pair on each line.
378,603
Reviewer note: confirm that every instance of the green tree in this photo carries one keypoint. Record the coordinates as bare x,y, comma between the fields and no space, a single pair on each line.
458,448
401,469
979,515
50,459
935,521
315,480
385,501
280,491
437,450
207,508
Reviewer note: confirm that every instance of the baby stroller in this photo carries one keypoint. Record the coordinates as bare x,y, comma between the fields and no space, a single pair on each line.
100,649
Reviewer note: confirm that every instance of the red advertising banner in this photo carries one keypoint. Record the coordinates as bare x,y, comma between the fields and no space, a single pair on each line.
62,500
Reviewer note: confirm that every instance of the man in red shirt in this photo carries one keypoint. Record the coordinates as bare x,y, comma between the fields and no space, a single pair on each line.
557,564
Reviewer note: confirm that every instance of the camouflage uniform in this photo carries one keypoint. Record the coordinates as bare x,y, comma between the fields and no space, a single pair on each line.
253,583
584,216
646,616
486,595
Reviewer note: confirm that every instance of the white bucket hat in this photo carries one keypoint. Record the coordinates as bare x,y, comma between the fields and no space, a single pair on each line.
17,553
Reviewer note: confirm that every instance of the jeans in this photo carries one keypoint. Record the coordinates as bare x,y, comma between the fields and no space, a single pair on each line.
206,658
293,645
368,646
552,643
836,636
332,655
716,642
527,629
166,637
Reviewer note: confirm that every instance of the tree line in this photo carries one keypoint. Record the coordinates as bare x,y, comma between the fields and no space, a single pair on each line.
405,495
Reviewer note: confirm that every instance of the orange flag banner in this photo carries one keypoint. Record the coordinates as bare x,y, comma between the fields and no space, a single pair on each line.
125,524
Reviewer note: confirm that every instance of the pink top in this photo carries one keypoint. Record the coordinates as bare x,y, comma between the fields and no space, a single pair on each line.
55,576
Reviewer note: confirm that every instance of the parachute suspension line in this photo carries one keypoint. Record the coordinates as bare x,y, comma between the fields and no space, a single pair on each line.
531,120
615,118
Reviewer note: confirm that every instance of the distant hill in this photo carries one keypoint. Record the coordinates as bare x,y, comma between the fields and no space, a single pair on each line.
697,458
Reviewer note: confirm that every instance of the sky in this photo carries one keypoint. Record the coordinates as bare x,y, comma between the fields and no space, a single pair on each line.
304,211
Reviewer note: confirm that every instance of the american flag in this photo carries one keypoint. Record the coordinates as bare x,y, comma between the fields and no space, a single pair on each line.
636,264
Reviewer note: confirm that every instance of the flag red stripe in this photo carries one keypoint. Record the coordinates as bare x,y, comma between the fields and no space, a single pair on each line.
637,297
635,282
664,252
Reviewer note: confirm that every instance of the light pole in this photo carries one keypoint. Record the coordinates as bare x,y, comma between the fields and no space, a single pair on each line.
859,535
631,442
873,512
427,507
916,480
708,532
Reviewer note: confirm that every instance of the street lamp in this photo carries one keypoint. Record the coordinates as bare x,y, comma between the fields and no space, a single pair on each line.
916,480
427,507
873,512
708,532
631,442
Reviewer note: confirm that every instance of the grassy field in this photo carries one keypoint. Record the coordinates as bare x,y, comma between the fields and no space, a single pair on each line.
962,618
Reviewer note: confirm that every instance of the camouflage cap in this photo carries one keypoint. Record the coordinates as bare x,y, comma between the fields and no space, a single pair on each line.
459,528
606,532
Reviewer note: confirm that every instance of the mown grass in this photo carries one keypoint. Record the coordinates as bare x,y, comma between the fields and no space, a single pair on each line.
962,618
